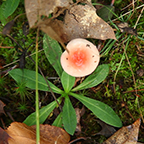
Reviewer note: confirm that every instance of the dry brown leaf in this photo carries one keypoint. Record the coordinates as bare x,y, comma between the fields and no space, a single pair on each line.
3,137
1,107
126,135
44,8
124,28
79,113
53,134
7,28
54,28
81,21
20,133
107,130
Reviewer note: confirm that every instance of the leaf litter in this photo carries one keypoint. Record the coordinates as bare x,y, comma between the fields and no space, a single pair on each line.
64,20
125,135
2,107
20,133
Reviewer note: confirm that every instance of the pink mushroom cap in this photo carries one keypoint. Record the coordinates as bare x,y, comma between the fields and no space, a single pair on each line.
82,59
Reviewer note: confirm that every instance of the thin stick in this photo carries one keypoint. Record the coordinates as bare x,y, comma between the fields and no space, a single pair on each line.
19,59
128,12
39,70
139,17
133,90
134,83
133,9
6,47
37,95
128,5
119,67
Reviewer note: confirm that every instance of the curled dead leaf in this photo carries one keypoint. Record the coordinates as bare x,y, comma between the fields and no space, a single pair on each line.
44,8
107,130
3,137
81,21
79,113
20,133
77,21
1,107
125,135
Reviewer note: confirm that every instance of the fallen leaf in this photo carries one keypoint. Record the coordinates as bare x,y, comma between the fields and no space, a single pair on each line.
25,28
20,133
124,28
77,21
79,113
54,28
44,8
7,28
3,137
125,135
53,134
1,107
81,21
106,130
106,12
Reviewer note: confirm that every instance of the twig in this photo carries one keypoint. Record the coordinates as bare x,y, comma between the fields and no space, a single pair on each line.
133,9
128,5
119,67
6,71
134,83
19,59
47,83
3,124
10,116
133,91
37,93
127,108
139,17
78,139
6,47
128,12
40,72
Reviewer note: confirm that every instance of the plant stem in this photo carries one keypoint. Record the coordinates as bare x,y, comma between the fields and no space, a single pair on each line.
37,95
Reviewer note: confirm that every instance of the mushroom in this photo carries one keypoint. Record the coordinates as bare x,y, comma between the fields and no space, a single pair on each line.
81,59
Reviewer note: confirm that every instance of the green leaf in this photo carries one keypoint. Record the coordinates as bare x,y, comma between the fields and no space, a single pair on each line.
95,78
28,76
53,53
69,116
101,110
67,81
43,114
106,12
2,17
10,7
58,121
